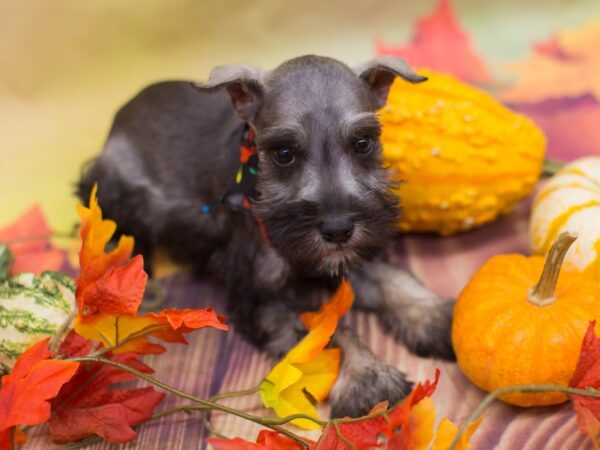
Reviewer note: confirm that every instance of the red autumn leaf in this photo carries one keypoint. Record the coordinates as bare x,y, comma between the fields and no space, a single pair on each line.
439,43
118,291
89,404
267,440
587,374
365,434
182,321
28,240
5,444
399,415
33,381
75,345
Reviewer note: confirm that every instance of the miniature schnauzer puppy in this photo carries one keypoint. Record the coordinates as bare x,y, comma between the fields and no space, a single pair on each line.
324,204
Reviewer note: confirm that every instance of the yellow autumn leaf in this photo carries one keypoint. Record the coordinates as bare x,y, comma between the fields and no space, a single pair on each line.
113,330
420,425
446,432
307,373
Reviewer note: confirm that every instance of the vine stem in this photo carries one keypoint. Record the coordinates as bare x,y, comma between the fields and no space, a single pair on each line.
272,423
525,388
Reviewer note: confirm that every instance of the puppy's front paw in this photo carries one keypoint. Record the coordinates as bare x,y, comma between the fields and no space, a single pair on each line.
361,388
425,329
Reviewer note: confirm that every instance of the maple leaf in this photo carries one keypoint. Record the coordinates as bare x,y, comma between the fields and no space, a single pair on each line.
587,374
308,371
130,333
89,404
28,241
446,432
108,281
5,441
399,416
415,425
267,440
110,289
558,86
440,44
566,66
338,305
417,432
33,381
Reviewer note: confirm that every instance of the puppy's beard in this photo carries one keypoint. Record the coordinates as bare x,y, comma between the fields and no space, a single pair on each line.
336,259
317,257
293,230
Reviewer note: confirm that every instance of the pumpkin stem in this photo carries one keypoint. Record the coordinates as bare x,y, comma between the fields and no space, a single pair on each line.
542,294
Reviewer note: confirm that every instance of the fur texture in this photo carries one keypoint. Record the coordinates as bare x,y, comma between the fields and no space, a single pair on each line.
172,149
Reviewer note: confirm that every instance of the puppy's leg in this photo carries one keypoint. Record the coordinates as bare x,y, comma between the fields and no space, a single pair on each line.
275,328
364,380
409,311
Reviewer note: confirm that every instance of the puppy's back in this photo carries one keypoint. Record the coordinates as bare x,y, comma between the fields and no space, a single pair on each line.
170,145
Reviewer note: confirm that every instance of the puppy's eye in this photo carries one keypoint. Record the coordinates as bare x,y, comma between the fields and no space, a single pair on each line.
283,157
363,146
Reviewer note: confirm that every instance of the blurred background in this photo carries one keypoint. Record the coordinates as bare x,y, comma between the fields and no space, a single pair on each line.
66,66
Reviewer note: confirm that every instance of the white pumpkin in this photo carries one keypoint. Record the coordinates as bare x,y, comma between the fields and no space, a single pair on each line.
570,201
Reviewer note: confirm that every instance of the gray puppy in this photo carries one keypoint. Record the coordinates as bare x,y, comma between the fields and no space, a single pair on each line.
320,206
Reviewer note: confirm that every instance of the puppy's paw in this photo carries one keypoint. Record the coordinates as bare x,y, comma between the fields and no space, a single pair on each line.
281,328
361,388
280,341
425,329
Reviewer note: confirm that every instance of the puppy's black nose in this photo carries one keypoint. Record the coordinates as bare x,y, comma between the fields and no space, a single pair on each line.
337,229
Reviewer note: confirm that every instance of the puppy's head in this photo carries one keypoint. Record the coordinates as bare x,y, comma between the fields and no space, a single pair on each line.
324,193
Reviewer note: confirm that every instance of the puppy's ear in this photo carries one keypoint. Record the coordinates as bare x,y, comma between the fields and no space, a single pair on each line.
244,86
379,74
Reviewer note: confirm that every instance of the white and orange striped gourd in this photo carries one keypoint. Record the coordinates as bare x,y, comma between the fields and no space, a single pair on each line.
570,201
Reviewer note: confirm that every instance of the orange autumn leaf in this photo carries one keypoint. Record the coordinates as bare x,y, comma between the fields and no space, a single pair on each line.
439,43
567,66
108,282
19,437
28,241
267,440
417,432
339,304
110,289
399,416
33,381
130,333
447,431
558,86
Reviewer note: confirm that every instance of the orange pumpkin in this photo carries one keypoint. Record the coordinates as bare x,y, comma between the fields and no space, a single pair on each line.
508,329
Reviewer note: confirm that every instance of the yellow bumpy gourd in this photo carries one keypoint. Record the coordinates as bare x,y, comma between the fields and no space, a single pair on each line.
463,157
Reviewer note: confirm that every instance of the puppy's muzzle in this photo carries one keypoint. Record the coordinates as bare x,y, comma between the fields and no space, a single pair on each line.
337,229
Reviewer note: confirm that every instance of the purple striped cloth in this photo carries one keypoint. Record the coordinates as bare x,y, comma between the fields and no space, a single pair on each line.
222,361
